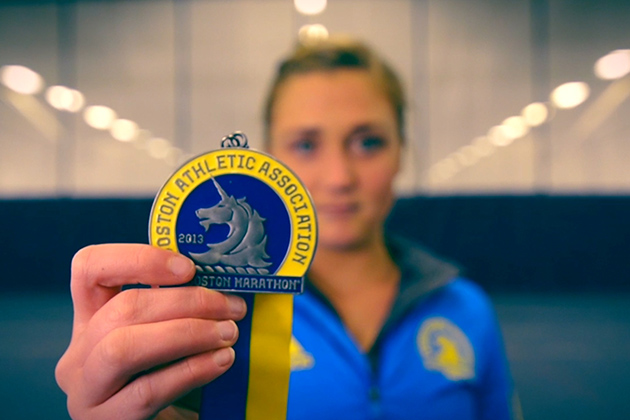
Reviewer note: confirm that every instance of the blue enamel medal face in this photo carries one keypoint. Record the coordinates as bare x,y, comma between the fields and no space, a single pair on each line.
234,220
243,217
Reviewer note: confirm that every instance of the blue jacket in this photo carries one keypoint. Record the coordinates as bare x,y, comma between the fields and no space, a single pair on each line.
439,355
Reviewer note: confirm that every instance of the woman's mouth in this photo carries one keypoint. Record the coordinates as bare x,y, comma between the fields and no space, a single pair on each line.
337,209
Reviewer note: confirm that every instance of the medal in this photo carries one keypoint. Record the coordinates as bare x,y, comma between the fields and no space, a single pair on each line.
249,225
243,217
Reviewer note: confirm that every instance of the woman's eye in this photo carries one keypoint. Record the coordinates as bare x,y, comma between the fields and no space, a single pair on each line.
369,144
304,146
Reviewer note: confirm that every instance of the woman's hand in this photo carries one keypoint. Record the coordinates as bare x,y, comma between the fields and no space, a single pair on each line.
134,352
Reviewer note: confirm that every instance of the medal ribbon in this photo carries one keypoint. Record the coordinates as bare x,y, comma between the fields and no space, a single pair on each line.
256,387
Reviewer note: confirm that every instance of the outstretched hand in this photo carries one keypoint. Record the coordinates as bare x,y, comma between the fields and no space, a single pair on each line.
134,352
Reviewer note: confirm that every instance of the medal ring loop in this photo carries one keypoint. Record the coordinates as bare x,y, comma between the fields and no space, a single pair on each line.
236,139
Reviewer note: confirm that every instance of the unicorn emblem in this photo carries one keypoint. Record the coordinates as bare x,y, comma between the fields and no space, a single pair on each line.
245,242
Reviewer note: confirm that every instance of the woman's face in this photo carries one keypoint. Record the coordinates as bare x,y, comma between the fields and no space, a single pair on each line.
338,133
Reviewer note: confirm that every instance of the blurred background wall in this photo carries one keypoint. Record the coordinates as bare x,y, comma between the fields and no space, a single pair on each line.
517,164
189,72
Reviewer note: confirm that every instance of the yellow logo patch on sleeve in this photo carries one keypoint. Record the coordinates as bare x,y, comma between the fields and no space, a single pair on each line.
446,349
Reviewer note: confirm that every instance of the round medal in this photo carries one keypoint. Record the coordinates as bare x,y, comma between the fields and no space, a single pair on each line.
243,217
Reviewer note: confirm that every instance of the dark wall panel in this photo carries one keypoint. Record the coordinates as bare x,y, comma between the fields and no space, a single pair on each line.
527,243
505,243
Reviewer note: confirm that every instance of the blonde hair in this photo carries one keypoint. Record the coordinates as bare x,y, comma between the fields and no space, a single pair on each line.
334,54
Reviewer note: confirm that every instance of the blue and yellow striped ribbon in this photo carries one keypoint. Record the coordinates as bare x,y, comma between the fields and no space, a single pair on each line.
256,387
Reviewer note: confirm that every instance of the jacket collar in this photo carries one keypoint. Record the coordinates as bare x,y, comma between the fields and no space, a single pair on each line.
422,274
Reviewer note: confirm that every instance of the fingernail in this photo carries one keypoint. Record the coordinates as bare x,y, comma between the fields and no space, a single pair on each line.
180,265
224,356
237,305
227,330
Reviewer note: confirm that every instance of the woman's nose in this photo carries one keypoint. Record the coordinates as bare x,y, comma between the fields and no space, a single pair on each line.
339,173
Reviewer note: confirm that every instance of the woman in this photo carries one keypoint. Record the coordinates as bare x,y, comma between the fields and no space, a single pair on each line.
384,330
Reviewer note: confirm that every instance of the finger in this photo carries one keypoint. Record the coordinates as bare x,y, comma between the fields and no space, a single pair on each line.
133,350
148,394
99,272
145,306
142,306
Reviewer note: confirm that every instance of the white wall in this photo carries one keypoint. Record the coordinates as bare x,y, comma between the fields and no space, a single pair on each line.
193,71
